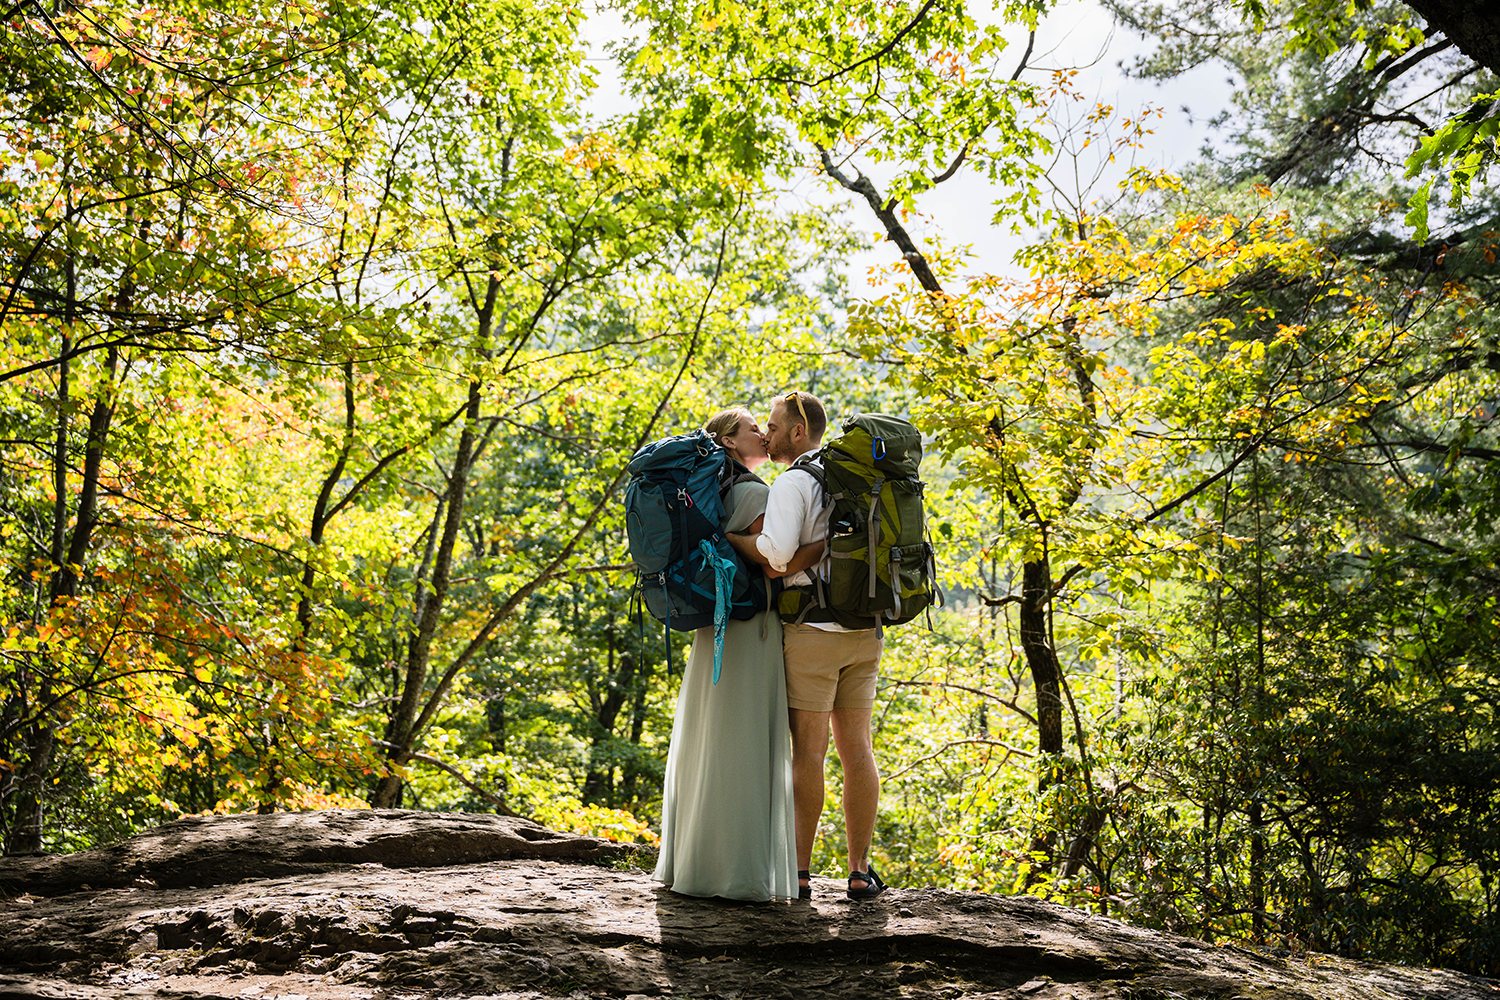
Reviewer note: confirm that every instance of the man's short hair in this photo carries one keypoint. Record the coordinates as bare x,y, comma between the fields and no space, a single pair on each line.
798,404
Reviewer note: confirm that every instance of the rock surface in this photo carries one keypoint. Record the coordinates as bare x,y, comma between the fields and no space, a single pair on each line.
379,905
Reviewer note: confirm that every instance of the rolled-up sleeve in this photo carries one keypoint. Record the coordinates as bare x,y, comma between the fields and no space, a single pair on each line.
781,534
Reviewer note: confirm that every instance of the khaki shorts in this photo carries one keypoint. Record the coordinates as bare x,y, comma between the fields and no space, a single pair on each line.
827,670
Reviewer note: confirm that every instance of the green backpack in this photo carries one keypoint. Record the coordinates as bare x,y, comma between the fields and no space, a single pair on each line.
880,564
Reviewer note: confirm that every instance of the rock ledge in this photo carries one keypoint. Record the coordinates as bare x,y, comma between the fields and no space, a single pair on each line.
364,905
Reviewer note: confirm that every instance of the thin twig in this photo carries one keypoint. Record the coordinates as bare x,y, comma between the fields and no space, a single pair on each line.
1010,751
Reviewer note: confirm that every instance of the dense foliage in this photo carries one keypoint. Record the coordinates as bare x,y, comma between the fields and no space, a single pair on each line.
328,330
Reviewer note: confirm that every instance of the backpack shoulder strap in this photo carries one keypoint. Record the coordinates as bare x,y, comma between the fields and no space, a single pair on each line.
813,468
733,474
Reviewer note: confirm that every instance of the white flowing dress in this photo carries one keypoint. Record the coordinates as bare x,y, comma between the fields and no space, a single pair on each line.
726,821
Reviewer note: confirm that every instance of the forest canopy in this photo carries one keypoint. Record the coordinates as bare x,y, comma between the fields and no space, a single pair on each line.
328,329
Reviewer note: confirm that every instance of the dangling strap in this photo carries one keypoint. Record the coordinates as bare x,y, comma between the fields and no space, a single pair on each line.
684,501
895,571
933,580
723,592
637,599
817,591
873,538
932,575
666,625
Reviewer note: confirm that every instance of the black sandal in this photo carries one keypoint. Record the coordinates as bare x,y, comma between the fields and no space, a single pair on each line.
874,885
804,891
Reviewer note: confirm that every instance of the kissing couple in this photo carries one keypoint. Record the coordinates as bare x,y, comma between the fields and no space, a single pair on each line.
744,785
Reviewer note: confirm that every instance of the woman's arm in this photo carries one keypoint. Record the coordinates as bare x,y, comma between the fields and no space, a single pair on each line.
744,543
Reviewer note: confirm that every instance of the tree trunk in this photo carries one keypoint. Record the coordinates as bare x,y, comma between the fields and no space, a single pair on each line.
629,787
1473,27
65,578
1041,658
318,526
1256,814
317,529
1257,871
25,833
25,836
1046,674
37,745
598,785
401,728
1036,578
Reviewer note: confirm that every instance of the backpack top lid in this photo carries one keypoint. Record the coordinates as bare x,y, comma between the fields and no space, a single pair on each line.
679,454
890,445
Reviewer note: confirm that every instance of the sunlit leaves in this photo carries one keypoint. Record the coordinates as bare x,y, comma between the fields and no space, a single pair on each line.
1464,145
918,86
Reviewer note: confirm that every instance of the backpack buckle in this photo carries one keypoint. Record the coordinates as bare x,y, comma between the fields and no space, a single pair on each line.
684,498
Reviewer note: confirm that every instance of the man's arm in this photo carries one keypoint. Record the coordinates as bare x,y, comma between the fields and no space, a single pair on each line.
806,556
781,535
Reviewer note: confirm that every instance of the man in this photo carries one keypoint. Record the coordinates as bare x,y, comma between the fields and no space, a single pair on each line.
830,670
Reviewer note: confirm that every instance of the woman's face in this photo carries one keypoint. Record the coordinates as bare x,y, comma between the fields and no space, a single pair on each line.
747,443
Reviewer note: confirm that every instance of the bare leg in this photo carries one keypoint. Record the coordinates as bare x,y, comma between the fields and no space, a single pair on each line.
809,751
851,735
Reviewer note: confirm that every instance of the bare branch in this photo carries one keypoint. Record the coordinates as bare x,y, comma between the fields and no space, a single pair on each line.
1030,44
885,211
488,796
958,161
979,692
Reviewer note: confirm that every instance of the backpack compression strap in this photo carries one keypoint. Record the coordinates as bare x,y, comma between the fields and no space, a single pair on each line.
872,539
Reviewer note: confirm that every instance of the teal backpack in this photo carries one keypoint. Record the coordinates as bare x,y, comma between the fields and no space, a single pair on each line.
881,566
687,573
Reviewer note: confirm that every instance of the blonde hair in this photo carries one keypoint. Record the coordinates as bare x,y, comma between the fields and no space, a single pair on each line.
726,423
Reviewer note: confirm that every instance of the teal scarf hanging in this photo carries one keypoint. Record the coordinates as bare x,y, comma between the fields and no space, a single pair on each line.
723,592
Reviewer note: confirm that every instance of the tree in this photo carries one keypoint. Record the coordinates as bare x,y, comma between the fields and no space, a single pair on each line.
156,216
1466,141
1359,390
382,349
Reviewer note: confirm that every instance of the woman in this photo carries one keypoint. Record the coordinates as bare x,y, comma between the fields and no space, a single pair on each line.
726,823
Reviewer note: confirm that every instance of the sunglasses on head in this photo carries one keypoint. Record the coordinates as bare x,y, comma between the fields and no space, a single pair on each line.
794,397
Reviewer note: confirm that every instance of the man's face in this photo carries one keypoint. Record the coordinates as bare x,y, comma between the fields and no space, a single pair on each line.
779,442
